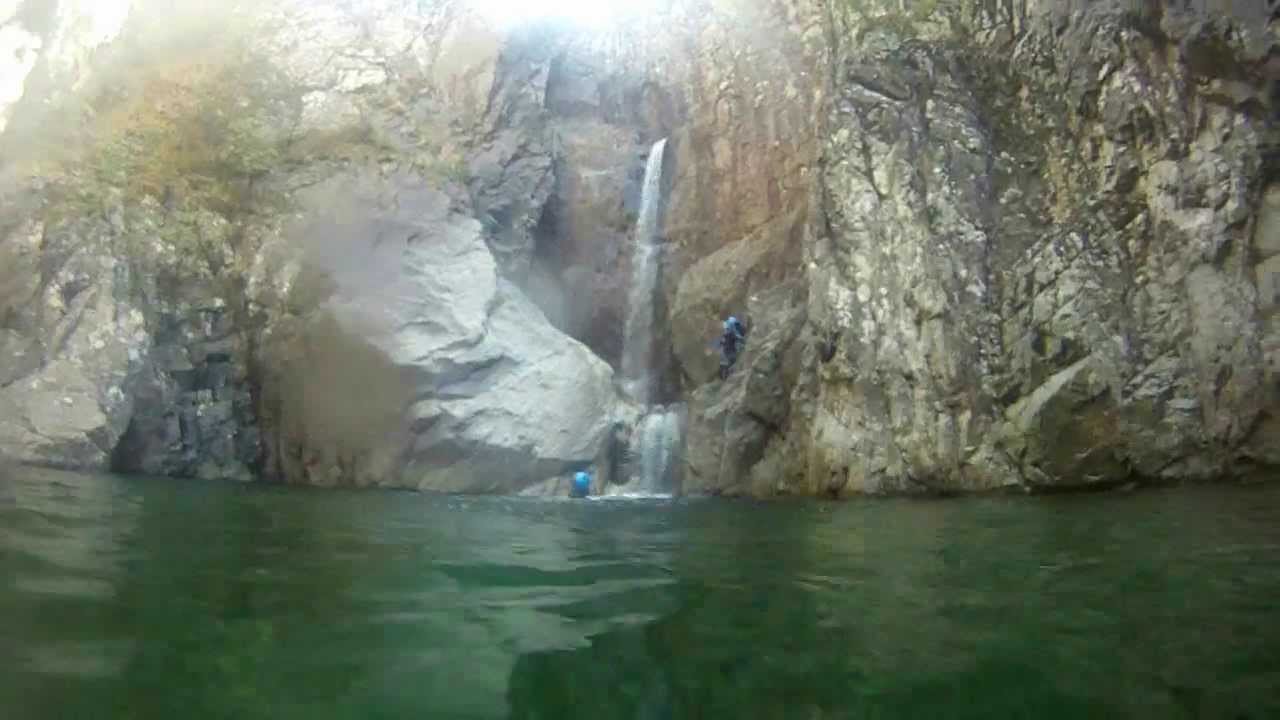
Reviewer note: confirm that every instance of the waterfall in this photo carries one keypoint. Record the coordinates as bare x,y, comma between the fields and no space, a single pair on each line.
637,343
653,461
657,437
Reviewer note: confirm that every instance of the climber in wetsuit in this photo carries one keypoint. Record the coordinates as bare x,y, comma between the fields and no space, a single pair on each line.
731,342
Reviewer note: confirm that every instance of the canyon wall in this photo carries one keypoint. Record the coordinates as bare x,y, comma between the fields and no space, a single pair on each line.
1041,259
977,245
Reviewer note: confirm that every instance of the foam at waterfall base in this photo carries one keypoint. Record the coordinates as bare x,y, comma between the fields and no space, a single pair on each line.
620,493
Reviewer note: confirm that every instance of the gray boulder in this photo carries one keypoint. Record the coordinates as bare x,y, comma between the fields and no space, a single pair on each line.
421,367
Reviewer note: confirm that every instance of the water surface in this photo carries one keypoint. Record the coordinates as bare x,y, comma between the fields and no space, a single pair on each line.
162,599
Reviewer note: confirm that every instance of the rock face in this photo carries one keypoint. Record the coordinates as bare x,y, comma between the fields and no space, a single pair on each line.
71,339
1039,261
733,444
1033,245
193,412
109,364
585,227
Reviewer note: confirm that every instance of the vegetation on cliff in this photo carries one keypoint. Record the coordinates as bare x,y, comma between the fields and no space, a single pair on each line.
194,128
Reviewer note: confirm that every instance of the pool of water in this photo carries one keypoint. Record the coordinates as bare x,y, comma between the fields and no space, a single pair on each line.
134,598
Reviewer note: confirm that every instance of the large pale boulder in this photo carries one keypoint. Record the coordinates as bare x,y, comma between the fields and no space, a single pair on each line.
421,367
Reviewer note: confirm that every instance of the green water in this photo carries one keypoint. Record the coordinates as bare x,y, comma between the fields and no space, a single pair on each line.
162,599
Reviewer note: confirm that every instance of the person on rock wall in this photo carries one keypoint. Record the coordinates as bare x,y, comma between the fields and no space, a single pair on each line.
731,342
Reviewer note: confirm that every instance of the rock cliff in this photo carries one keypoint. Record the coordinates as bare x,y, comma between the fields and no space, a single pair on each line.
978,245
305,253
1040,260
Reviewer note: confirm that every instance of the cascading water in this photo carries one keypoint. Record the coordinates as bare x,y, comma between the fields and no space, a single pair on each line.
653,459
656,439
659,438
637,343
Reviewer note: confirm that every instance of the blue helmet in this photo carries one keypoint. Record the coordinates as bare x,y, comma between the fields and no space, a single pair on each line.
581,485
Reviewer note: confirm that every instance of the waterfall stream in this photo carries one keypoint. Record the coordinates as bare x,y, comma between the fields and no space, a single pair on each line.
637,343
657,436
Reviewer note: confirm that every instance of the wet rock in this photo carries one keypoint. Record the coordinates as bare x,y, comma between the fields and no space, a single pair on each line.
193,413
1066,431
733,421
723,284
583,237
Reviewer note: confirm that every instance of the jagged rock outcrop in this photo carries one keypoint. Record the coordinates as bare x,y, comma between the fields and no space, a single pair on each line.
194,411
735,426
111,360
581,241
579,258
1038,262
71,340
728,282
